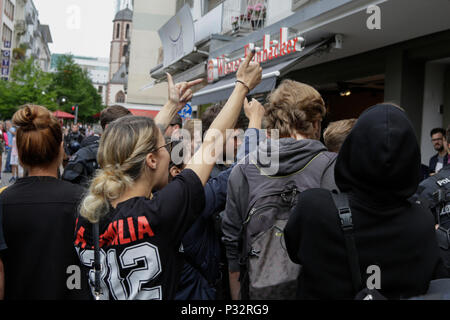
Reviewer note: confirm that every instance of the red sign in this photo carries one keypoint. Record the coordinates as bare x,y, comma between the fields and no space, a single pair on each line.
271,50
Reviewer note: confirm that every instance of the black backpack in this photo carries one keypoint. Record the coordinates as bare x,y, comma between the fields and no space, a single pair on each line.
267,272
346,220
438,289
82,165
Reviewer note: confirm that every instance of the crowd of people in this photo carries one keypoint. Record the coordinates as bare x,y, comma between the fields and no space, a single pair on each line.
259,208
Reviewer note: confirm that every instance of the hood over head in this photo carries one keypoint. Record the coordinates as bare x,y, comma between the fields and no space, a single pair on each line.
380,159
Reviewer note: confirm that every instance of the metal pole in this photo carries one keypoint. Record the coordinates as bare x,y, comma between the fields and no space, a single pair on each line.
76,114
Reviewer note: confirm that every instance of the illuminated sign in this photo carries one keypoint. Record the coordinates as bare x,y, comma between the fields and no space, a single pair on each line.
272,49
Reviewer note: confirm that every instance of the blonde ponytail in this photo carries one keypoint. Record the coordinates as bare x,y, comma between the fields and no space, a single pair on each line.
121,155
108,185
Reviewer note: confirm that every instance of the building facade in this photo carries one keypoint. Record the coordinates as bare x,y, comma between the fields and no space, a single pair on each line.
355,52
118,60
31,38
146,53
7,36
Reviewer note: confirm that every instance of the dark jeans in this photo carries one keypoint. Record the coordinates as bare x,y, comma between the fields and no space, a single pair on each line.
8,160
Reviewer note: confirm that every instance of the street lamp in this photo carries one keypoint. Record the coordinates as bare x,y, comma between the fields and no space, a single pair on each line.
62,100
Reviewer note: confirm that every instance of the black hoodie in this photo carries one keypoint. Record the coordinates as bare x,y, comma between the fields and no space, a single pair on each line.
379,166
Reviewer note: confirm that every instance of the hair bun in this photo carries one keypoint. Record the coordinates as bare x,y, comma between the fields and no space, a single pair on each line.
24,118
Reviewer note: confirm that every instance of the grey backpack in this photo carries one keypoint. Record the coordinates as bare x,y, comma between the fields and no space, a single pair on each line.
267,273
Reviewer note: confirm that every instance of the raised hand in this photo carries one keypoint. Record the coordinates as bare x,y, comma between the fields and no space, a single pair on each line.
180,93
249,72
253,109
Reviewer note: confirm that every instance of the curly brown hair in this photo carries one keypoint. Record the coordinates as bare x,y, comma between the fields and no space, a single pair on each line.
336,132
292,108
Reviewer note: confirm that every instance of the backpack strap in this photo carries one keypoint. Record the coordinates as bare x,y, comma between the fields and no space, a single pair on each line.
97,264
346,221
243,260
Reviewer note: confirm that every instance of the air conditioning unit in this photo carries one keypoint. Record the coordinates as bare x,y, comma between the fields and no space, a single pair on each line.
298,3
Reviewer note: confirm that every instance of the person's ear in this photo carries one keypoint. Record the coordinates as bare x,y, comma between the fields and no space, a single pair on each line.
317,125
151,161
174,171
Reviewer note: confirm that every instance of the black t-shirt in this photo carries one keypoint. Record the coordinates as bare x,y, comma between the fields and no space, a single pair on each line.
140,241
39,215
2,238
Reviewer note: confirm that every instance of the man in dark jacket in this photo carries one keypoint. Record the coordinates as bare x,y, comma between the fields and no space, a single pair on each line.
428,195
260,189
201,243
440,159
378,166
82,165
73,140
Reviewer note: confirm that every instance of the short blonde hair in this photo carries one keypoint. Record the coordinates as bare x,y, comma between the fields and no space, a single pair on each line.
293,107
336,133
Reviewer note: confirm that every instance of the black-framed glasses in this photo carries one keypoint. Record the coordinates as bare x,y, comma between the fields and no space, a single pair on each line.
168,146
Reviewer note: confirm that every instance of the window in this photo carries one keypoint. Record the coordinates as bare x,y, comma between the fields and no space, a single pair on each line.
125,50
120,97
9,9
127,32
118,31
7,33
100,89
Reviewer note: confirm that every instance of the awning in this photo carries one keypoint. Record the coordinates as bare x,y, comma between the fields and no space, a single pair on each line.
63,115
221,90
144,113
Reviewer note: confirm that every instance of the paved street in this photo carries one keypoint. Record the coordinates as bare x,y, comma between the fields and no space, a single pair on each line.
6,176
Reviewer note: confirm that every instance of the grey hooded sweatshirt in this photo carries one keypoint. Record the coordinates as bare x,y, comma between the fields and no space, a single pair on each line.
293,156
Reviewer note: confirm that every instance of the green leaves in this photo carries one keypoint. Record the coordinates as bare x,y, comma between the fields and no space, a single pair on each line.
29,84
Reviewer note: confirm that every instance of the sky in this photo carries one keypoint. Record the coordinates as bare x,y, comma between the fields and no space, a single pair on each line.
80,27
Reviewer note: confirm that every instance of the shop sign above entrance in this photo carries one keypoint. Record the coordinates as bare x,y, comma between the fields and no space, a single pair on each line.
272,49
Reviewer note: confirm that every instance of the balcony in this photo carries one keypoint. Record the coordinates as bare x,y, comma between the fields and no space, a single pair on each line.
20,26
241,17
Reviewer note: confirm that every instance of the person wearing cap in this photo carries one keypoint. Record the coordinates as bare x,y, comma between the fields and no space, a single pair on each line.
173,129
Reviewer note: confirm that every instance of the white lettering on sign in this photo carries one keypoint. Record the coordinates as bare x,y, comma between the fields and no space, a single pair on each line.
272,49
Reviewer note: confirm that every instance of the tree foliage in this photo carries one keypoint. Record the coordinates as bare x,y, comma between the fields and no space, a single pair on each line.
69,85
73,83
28,84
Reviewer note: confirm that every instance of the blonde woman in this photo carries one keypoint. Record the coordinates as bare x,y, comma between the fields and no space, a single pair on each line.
140,232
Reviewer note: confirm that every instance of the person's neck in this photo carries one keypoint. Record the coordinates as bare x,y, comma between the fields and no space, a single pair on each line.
141,188
298,136
442,153
51,171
